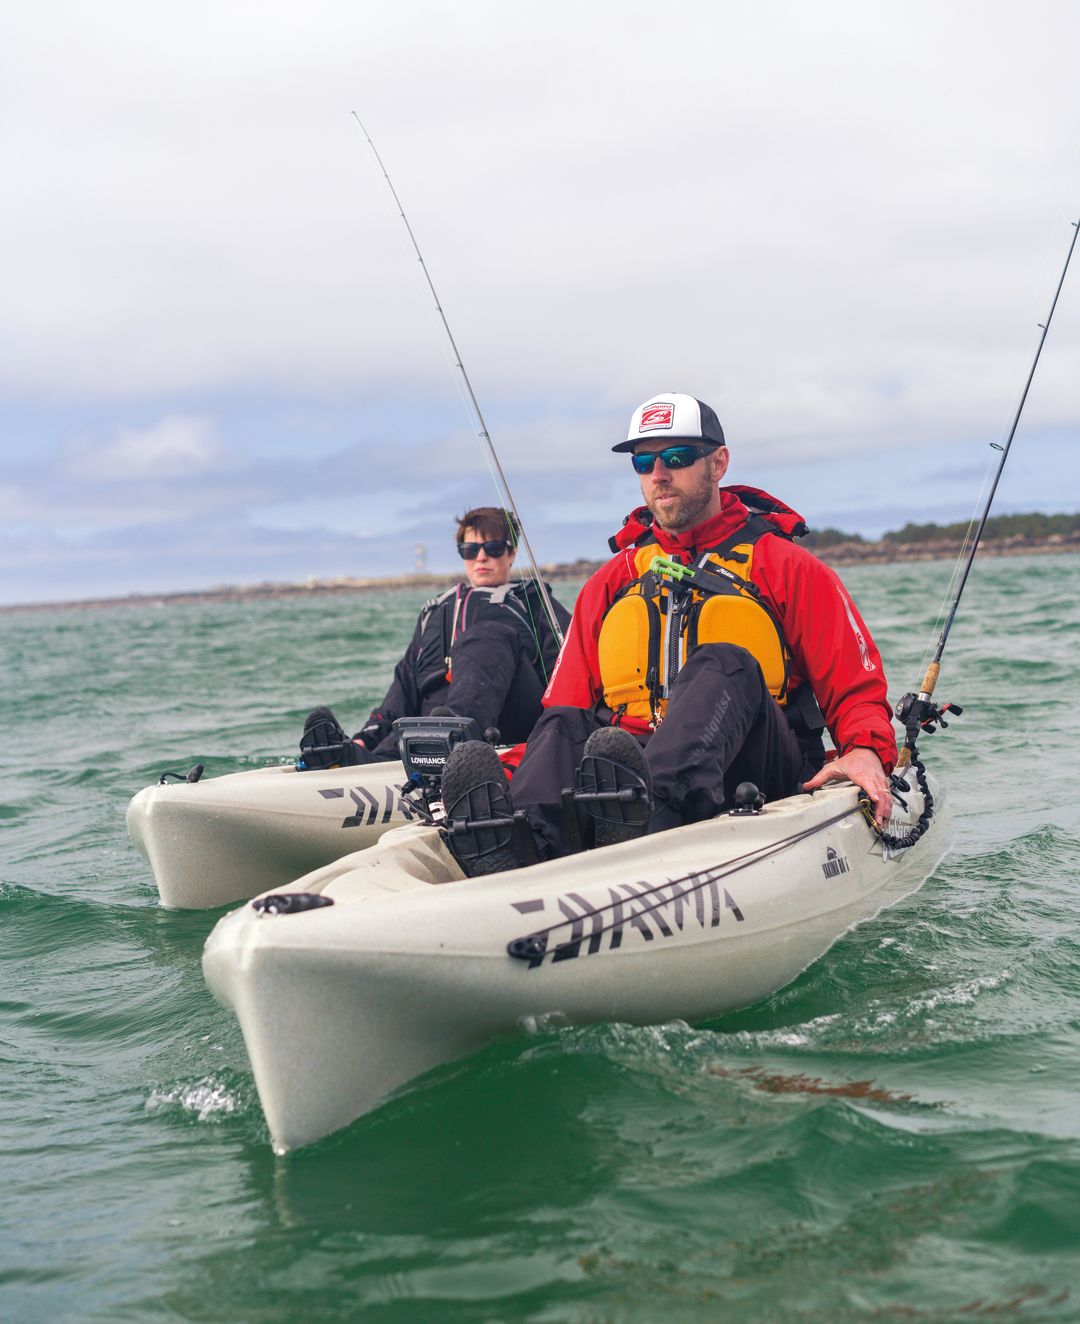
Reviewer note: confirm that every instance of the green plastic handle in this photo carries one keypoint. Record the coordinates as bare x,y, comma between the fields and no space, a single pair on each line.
665,566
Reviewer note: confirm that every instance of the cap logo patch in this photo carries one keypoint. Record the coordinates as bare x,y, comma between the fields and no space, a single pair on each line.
656,416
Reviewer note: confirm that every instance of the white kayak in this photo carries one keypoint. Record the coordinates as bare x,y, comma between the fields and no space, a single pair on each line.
228,838
402,963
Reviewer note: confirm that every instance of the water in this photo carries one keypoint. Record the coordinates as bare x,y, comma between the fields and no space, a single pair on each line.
896,1136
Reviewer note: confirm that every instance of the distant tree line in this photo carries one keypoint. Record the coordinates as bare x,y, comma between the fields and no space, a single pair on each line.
829,537
1034,526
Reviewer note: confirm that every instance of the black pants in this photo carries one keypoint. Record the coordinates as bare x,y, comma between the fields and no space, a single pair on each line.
495,681
722,727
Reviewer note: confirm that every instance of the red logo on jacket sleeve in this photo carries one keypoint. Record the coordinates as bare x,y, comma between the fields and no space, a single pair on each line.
656,416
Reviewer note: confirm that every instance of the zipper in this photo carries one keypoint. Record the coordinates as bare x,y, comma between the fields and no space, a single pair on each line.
652,671
681,603
673,628
458,604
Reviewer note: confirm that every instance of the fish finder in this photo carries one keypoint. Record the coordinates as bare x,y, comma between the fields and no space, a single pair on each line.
424,744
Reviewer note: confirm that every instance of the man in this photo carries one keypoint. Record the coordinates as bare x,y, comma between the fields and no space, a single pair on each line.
483,649
676,685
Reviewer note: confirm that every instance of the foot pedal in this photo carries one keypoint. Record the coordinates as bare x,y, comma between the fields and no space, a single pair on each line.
481,827
324,743
614,785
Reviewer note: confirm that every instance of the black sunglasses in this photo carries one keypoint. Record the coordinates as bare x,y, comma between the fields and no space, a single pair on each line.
674,457
469,551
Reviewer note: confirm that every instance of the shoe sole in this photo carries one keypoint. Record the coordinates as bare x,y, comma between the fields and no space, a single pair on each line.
614,761
474,787
324,743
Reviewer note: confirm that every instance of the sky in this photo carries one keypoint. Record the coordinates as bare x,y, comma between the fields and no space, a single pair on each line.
839,224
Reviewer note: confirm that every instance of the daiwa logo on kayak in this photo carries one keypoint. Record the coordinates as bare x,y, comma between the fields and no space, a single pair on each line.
835,864
654,911
368,806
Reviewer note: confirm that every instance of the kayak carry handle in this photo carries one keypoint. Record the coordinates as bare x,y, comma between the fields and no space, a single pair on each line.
191,776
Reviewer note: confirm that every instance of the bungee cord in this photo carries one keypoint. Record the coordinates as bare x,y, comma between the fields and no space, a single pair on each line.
473,408
534,945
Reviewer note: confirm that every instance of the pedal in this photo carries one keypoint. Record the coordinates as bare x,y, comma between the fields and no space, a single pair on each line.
617,798
324,743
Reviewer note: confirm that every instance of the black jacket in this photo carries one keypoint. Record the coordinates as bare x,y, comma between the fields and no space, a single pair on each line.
421,677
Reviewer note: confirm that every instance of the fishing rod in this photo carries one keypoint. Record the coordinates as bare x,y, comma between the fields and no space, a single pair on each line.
917,711
485,436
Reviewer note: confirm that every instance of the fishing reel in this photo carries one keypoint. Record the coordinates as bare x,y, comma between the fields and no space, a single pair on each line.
918,714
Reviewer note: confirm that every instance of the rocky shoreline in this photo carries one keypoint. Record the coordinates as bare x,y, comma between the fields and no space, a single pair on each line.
837,554
945,549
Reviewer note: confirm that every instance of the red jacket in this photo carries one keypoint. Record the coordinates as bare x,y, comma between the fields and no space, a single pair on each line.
830,645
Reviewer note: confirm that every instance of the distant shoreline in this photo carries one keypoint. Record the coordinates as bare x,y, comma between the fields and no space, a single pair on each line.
839,554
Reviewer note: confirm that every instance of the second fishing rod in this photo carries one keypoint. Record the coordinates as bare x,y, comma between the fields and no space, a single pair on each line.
491,455
917,711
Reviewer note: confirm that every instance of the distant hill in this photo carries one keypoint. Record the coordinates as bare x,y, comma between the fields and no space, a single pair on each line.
1004,535
1033,526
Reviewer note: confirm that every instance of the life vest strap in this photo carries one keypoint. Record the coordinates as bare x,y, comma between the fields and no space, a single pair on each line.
717,579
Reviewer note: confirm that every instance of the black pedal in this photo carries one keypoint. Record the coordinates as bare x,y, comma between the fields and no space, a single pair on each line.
613,794
324,743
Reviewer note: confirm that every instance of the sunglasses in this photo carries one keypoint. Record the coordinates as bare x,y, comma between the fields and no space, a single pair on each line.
469,551
674,457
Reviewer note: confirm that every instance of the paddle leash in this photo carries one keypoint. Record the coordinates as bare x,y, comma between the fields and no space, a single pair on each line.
918,712
473,406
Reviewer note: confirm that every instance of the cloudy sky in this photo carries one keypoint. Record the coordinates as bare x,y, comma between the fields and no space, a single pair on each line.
838,223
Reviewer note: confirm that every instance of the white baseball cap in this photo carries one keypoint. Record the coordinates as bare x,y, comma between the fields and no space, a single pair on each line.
679,417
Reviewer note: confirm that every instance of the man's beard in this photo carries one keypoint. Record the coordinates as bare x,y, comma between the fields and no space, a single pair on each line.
686,511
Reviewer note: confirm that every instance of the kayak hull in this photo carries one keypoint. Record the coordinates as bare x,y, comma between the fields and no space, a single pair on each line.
225,839
414,965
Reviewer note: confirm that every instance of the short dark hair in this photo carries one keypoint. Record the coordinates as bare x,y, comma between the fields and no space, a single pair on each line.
489,522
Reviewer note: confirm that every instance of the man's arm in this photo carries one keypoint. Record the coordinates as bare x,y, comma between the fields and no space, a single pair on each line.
833,650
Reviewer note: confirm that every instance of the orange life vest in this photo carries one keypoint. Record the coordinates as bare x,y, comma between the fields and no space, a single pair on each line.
667,612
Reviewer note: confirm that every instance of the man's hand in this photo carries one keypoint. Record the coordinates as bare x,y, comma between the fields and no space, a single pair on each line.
863,767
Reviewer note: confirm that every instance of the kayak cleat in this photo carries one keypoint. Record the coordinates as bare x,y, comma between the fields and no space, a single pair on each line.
530,948
748,799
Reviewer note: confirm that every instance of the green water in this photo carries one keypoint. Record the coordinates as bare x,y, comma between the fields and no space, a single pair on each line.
602,1174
